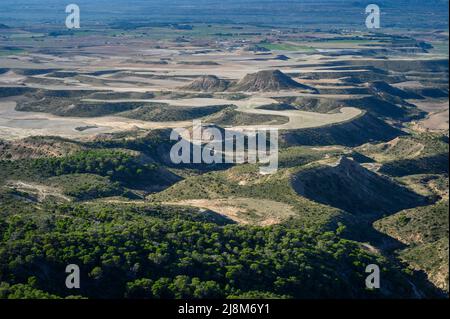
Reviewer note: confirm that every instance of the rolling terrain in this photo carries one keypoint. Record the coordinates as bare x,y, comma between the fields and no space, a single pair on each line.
86,175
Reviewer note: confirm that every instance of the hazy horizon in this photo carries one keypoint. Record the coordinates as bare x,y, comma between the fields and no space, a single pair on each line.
301,13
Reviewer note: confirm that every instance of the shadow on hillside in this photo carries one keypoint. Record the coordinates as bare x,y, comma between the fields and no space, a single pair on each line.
354,189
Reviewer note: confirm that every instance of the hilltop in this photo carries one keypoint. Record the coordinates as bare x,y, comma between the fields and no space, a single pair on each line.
208,83
381,88
351,187
267,81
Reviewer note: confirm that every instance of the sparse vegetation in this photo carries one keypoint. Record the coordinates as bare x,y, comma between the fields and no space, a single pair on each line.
425,231
86,175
